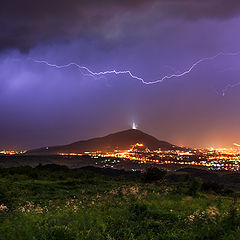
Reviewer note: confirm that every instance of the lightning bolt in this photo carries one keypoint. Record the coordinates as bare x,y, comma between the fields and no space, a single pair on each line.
229,86
97,75
91,73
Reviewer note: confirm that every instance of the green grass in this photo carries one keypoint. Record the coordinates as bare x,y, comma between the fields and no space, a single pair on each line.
66,205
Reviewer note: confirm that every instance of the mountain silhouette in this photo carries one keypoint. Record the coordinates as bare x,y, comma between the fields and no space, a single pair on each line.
117,141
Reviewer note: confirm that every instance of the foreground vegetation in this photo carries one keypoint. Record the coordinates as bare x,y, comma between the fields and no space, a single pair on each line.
55,203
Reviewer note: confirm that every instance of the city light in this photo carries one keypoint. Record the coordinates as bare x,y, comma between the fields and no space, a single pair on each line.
222,159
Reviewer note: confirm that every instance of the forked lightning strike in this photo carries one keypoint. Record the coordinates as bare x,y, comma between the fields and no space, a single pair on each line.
96,75
91,73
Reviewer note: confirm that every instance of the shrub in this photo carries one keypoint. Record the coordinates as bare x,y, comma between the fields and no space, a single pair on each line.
195,186
154,174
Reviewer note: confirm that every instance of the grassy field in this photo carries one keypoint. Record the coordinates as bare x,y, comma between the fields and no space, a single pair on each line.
57,203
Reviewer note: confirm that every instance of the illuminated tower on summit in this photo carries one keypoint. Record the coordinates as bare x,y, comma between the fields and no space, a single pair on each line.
134,125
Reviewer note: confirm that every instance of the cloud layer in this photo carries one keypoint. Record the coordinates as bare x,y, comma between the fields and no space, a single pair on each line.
25,24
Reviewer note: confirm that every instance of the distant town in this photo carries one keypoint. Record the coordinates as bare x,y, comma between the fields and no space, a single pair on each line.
139,157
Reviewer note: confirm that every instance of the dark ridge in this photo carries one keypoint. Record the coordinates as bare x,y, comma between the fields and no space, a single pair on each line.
117,141
205,175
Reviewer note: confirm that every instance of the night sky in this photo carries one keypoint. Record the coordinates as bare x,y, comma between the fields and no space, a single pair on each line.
43,105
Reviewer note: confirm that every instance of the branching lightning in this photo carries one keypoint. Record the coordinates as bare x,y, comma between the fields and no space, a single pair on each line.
96,75
91,73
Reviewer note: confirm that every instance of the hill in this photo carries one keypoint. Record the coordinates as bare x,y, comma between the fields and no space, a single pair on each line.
117,141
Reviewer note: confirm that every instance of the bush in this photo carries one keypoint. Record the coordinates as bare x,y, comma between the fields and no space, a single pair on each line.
154,174
195,186
217,188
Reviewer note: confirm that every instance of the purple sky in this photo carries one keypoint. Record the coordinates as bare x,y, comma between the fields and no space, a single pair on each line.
42,105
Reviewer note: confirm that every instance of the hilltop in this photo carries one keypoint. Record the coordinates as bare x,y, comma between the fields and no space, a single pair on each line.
117,141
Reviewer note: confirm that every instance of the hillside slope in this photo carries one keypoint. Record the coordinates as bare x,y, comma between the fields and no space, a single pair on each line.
121,140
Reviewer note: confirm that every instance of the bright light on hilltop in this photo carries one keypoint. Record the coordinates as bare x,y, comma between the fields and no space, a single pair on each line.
134,125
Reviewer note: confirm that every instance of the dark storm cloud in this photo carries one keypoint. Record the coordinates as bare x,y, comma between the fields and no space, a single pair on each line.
196,9
27,23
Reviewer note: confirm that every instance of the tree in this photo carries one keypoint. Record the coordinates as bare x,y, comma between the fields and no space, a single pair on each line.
195,186
154,174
